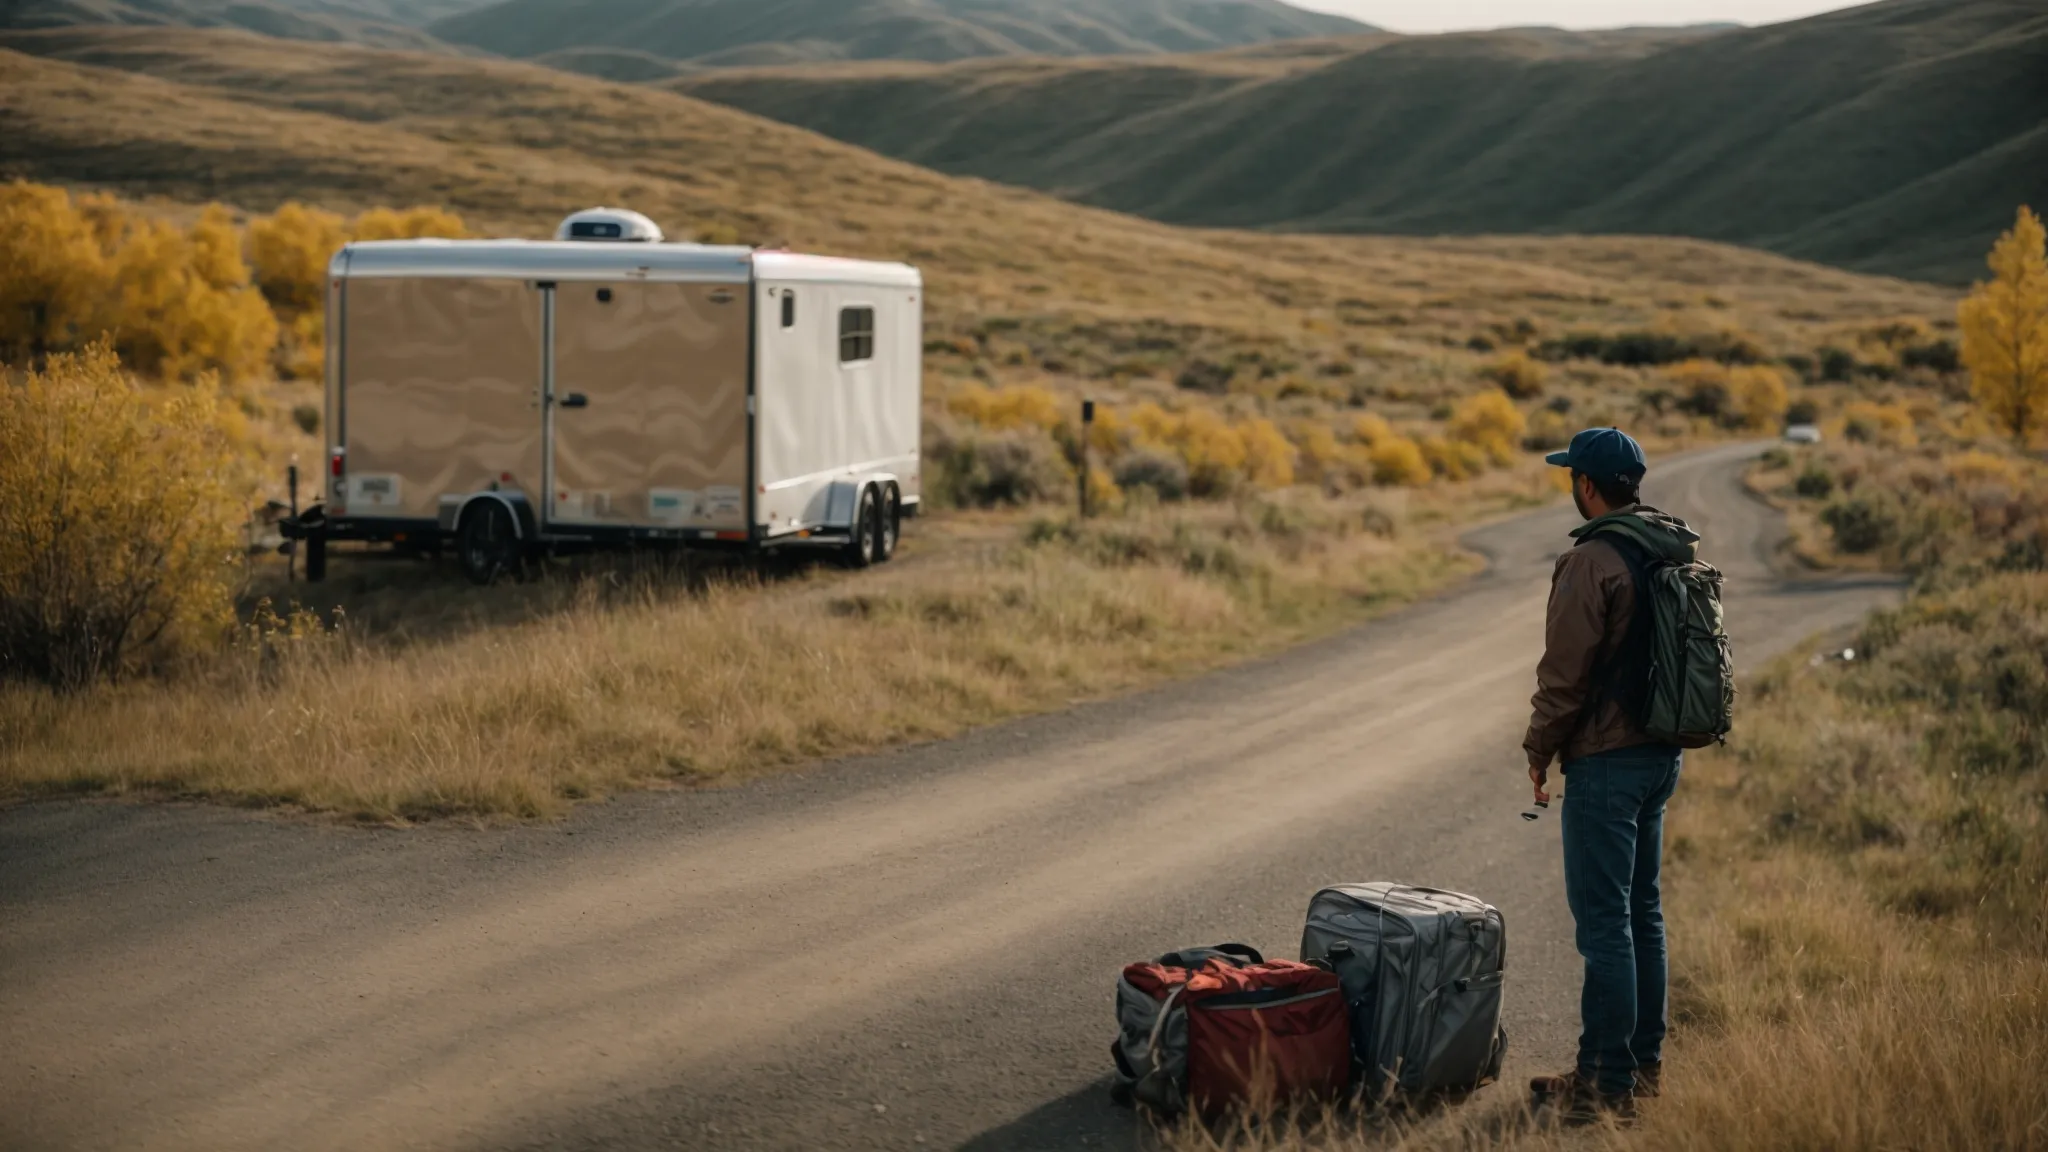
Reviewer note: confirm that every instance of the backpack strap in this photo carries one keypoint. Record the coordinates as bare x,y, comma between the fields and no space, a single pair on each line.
1624,678
1166,1007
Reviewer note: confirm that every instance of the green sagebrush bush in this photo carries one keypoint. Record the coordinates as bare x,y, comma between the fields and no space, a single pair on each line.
984,469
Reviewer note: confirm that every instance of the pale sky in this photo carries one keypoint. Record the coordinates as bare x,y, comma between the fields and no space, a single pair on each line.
1449,15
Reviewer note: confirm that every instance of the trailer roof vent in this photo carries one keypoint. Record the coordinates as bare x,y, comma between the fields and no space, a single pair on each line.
614,225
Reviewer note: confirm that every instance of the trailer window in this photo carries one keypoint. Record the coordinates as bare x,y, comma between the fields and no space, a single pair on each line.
856,335
789,309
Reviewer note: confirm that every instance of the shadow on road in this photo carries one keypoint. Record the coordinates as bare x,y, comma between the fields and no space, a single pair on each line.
1082,1119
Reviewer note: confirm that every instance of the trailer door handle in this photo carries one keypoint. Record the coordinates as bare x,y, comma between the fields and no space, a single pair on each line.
575,400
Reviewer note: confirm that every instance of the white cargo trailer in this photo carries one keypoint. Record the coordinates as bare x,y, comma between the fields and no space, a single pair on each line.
511,398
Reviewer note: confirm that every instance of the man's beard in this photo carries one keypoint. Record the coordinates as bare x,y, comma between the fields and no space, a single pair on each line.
1579,502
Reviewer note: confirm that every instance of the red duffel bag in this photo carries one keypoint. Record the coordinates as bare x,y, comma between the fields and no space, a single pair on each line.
1262,1035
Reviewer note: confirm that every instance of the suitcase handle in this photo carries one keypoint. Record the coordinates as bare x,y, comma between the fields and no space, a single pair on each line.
1245,952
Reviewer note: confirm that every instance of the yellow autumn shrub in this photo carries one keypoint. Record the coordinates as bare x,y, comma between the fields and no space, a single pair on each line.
1398,461
1516,375
1103,493
302,354
117,513
1890,425
1012,406
1215,452
1974,468
420,223
1323,458
1489,422
1759,396
1269,455
1371,428
289,251
1152,426
1453,459
1109,432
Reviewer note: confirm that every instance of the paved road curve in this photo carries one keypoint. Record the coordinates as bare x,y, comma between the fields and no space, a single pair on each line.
915,949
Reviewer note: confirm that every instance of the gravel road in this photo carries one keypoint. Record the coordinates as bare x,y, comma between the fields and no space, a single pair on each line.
909,950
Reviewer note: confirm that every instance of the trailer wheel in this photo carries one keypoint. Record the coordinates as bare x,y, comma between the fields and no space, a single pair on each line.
890,526
488,544
861,549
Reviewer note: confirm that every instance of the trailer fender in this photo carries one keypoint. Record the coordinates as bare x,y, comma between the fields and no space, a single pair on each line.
524,523
842,500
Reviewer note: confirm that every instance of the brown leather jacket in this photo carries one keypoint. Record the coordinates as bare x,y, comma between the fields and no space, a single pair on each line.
1592,600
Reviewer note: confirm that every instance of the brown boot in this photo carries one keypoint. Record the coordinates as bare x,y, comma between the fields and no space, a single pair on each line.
1576,1101
1650,1080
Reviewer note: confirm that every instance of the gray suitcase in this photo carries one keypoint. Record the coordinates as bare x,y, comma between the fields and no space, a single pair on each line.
1421,970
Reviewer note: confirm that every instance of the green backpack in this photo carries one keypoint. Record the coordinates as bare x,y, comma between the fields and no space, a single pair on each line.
1675,673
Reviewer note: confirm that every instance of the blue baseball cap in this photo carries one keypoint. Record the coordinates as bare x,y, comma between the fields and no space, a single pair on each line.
1602,453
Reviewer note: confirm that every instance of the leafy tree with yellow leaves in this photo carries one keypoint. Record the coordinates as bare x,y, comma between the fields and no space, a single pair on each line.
176,302
289,251
185,302
2005,331
52,273
408,224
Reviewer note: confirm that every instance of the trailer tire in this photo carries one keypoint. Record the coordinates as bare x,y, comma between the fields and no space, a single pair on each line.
889,529
488,544
861,546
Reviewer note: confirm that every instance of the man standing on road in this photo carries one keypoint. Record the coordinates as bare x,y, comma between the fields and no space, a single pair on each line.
1590,686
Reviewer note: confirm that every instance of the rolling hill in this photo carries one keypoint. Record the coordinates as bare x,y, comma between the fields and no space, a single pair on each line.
760,32
382,23
1895,137
1023,288
189,115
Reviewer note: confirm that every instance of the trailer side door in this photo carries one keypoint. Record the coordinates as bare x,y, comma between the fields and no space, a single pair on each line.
650,412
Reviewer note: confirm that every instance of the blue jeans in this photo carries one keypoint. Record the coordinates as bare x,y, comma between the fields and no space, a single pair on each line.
1613,844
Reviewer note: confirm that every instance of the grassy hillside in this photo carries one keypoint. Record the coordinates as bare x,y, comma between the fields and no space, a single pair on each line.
1895,137
330,23
381,23
774,31
1025,289
192,116
1323,346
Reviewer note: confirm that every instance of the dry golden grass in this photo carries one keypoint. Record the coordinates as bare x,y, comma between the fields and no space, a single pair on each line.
409,714
1858,883
522,701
